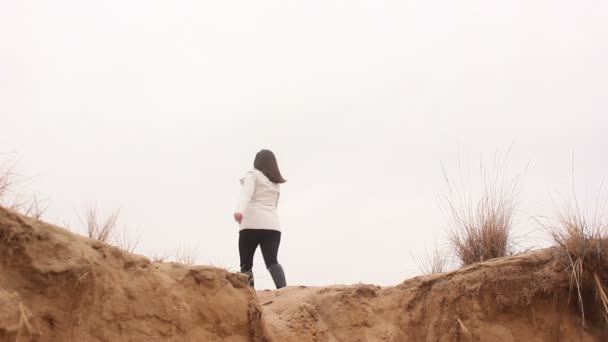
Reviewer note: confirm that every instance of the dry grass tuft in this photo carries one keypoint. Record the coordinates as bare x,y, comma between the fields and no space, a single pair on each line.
7,179
159,257
107,230
10,181
584,242
482,230
126,241
34,207
187,256
101,229
435,261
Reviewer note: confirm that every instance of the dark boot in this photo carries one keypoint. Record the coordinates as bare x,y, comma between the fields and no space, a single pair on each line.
249,277
278,276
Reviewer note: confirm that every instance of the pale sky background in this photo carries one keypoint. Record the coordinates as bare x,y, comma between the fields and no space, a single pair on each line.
158,107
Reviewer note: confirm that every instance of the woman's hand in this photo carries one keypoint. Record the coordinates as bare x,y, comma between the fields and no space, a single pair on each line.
238,217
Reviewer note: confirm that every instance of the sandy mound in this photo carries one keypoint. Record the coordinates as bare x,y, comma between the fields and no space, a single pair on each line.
521,298
58,286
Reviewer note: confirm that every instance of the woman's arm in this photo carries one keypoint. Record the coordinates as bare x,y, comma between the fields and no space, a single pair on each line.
246,194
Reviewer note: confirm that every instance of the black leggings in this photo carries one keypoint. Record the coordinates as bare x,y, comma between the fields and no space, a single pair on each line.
249,239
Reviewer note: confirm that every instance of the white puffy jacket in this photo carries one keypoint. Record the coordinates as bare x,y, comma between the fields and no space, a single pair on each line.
258,202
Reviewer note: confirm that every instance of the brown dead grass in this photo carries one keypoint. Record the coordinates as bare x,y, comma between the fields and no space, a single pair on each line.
159,257
481,229
32,207
10,181
107,229
186,255
99,228
584,241
125,240
433,261
7,179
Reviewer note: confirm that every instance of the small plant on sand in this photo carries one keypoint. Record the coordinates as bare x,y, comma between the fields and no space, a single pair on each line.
159,257
125,241
33,207
186,255
434,261
10,198
583,240
99,228
481,229
106,229
7,180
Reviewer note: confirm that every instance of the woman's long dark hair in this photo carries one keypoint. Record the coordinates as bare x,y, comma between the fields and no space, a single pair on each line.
266,162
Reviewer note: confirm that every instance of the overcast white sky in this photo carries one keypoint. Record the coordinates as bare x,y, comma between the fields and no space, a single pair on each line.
158,107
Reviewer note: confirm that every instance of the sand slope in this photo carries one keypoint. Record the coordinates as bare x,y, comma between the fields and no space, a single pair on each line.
521,298
58,286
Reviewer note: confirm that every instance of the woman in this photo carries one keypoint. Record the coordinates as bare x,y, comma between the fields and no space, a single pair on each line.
258,218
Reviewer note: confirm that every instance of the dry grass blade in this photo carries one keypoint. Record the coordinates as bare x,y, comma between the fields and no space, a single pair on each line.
576,282
24,322
465,331
601,289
